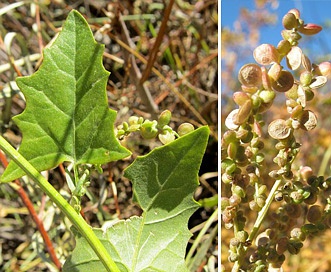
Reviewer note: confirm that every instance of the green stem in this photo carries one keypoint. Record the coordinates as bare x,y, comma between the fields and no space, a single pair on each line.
65,207
261,215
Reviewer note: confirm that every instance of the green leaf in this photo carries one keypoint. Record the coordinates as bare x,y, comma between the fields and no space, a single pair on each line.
163,184
67,116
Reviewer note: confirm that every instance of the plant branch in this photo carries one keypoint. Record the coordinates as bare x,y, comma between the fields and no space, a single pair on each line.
85,230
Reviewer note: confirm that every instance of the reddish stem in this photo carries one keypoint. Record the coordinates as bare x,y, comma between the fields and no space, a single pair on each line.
28,203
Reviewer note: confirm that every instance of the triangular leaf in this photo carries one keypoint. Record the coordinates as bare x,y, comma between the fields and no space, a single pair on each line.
67,116
163,185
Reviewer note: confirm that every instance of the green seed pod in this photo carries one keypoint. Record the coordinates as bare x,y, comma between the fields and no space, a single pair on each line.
259,158
253,206
292,94
233,257
226,163
236,189
184,129
248,137
164,118
309,95
284,47
250,75
262,190
226,178
289,21
231,169
242,236
309,229
125,126
232,150
229,137
305,78
260,201
267,96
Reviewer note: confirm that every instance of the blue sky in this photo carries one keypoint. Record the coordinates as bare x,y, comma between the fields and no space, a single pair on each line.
312,11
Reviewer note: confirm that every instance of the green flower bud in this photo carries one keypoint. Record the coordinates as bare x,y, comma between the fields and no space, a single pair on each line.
164,118
168,137
133,120
305,78
242,236
267,96
149,129
185,128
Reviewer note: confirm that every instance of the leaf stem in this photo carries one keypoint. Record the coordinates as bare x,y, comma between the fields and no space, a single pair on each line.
64,206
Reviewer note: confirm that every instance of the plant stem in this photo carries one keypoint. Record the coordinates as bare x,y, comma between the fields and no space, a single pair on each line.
261,215
64,206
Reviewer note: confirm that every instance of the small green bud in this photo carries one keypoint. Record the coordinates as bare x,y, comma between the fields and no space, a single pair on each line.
267,96
133,120
242,236
166,137
236,189
148,129
306,78
125,126
185,128
164,118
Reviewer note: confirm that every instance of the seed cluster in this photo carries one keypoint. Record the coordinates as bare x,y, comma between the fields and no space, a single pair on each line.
242,154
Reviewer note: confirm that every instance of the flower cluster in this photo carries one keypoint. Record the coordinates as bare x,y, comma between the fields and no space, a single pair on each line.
151,129
242,152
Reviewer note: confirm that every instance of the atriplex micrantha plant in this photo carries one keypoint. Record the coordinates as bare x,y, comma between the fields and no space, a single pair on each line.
302,207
